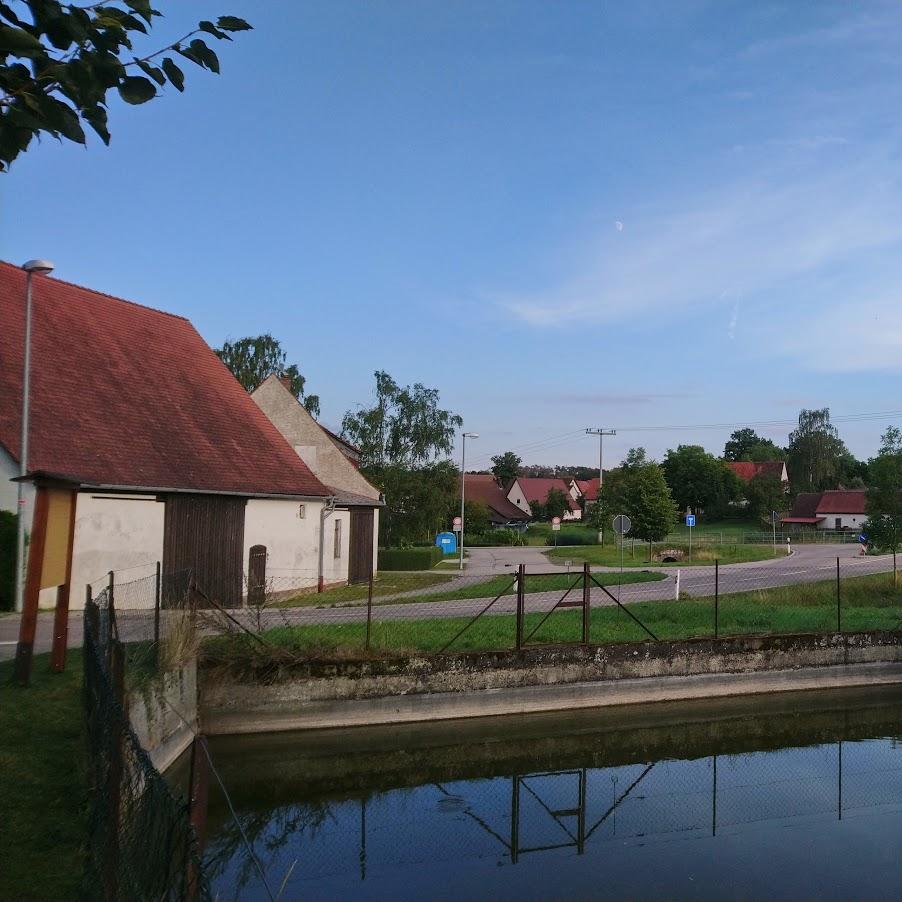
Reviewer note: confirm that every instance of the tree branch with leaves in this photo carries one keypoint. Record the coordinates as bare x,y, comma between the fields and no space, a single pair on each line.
59,61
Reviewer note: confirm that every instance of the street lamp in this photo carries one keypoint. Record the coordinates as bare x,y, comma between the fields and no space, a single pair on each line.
463,470
41,267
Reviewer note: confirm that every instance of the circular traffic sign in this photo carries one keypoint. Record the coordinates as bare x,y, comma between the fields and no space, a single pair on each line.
556,521
622,524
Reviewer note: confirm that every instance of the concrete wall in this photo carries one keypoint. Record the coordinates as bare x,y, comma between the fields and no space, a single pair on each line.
345,693
847,521
123,533
158,713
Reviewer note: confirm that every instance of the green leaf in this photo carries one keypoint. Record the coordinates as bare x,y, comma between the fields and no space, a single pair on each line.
19,42
210,28
174,74
60,117
136,89
207,57
232,23
142,8
96,118
152,71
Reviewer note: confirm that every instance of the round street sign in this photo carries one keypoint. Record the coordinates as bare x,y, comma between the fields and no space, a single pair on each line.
457,524
555,522
622,524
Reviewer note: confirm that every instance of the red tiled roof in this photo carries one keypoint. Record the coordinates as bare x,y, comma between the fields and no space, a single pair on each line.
483,488
746,469
843,501
123,395
589,488
536,488
804,507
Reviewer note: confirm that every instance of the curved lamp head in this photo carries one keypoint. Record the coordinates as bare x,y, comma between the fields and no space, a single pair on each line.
470,434
39,266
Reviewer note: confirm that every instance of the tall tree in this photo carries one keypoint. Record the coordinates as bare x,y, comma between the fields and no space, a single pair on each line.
884,496
765,494
639,490
816,456
417,501
698,480
251,360
746,444
58,62
506,467
405,427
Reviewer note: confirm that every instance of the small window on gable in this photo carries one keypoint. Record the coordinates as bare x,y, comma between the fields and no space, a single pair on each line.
337,551
302,512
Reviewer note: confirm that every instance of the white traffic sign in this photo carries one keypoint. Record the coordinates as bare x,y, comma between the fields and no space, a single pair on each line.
622,524
457,524
555,523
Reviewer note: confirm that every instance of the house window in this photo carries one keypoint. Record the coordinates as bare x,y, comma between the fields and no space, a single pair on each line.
302,512
337,552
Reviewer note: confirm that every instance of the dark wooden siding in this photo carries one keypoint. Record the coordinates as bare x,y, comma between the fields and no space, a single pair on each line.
360,563
205,534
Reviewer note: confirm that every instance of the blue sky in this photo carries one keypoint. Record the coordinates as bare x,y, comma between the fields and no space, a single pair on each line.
561,215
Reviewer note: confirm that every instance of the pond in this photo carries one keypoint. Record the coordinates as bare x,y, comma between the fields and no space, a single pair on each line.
795,796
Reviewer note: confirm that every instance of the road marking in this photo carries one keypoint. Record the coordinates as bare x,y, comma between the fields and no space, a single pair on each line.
11,642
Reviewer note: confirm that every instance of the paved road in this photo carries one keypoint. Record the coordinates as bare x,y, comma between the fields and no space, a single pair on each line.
808,564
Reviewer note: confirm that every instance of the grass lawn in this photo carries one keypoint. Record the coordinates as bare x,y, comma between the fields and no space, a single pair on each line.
42,783
869,603
489,587
609,555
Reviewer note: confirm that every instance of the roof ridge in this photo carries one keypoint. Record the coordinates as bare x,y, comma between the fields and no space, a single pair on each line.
103,294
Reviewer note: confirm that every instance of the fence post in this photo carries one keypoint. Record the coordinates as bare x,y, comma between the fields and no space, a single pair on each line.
838,601
521,596
157,599
894,568
716,594
587,600
114,772
110,618
369,612
198,802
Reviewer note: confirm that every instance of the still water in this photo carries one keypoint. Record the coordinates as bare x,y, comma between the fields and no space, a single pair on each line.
795,797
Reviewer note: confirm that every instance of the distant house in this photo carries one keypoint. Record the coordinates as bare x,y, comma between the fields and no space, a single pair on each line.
525,491
144,448
840,509
503,513
587,490
748,470
335,463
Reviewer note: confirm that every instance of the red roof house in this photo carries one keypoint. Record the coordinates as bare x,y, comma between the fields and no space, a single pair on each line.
165,457
525,491
483,488
840,509
747,470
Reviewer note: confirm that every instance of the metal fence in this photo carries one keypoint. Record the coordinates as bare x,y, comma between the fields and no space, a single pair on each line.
141,845
430,612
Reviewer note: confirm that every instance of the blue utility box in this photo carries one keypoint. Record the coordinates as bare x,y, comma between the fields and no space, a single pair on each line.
447,541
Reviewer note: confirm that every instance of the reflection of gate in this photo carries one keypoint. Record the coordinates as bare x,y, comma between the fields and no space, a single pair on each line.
570,820
256,575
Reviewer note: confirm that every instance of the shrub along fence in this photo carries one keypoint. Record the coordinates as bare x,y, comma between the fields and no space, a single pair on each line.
141,843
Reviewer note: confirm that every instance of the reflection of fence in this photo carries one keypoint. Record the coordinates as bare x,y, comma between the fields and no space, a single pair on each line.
141,845
588,810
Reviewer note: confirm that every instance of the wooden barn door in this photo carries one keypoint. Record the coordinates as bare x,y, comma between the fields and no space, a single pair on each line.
360,564
205,534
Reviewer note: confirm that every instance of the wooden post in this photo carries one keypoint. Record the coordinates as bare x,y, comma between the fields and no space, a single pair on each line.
521,602
369,611
198,803
61,613
157,600
587,595
838,601
29,623
114,774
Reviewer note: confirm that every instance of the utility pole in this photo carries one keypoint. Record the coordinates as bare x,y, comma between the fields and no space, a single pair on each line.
601,433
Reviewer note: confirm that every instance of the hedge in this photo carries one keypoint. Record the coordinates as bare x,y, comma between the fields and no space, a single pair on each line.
409,558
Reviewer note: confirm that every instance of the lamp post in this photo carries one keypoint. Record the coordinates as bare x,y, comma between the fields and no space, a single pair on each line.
42,267
463,469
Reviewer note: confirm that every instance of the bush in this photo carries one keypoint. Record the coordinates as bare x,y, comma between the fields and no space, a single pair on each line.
576,537
495,537
409,558
7,560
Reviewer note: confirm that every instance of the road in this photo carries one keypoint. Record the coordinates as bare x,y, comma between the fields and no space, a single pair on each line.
809,563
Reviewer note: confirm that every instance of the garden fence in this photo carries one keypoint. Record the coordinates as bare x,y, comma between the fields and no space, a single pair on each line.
141,844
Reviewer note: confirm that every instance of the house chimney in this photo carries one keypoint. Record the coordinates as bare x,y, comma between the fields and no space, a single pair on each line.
286,381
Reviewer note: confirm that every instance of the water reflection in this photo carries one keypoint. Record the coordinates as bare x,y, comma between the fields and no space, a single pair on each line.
320,830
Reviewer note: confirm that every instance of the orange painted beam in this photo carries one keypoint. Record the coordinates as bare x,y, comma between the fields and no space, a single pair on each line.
29,623
61,614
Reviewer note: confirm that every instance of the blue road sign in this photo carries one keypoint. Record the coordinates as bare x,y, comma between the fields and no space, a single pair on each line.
863,539
690,519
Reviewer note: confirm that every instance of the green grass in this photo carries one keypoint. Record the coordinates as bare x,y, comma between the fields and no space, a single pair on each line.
486,588
609,555
869,603
42,783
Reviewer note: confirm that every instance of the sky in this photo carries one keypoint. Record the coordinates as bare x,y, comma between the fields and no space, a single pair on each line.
569,215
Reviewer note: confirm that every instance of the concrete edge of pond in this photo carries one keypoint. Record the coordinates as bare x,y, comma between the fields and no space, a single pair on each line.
568,680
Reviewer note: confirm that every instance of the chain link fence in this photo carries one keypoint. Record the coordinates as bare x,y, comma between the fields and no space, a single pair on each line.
141,845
